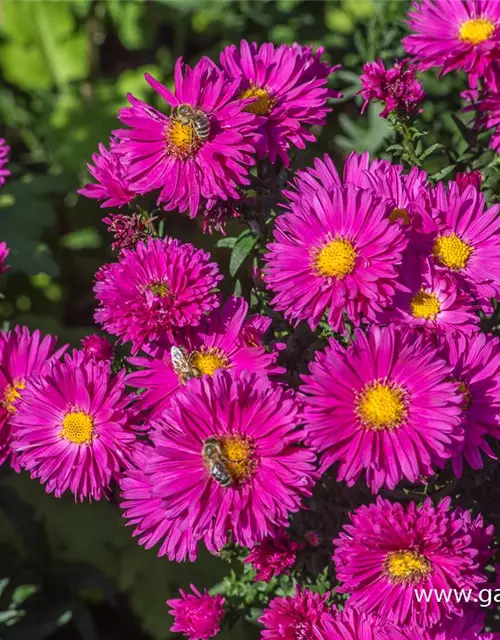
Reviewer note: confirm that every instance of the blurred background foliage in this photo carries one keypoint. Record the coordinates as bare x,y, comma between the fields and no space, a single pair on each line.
74,571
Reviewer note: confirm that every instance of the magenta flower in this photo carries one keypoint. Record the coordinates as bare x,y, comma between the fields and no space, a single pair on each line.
4,159
387,551
475,363
467,178
273,556
22,354
217,343
335,252
128,230
197,615
489,110
466,240
303,616
456,36
433,302
397,87
70,429
110,170
165,151
4,252
225,460
351,624
97,348
405,195
288,86
382,406
159,286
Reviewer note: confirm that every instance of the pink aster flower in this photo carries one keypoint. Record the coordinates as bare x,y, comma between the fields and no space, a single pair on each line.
397,87
22,354
273,556
159,286
335,252
197,615
456,35
128,230
351,624
288,86
217,343
387,551
466,240
432,302
225,461
303,616
97,348
475,363
4,158
382,406
71,428
110,170
166,152
4,252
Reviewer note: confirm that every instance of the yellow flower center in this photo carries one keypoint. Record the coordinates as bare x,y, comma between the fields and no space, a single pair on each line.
452,252
381,406
476,30
239,457
263,103
464,389
78,427
207,361
425,305
337,259
182,140
159,289
11,394
408,567
399,214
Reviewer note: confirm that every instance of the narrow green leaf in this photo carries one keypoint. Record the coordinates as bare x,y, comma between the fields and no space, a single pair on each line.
241,251
226,243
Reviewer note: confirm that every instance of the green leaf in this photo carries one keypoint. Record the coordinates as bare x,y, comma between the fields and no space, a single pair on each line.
226,243
87,238
23,592
42,46
431,150
128,19
443,173
241,250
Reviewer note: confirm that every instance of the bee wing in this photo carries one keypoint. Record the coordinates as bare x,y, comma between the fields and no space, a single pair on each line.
180,360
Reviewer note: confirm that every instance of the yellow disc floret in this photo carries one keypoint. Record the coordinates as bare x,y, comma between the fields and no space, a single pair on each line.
182,140
336,259
408,567
239,457
381,406
399,214
78,427
263,101
207,361
11,394
425,305
159,289
476,30
452,252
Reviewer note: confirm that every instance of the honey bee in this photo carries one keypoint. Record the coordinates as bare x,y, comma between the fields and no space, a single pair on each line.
214,459
186,114
181,363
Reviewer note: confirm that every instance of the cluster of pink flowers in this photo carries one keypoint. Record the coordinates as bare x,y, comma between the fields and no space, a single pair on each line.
198,427
197,151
